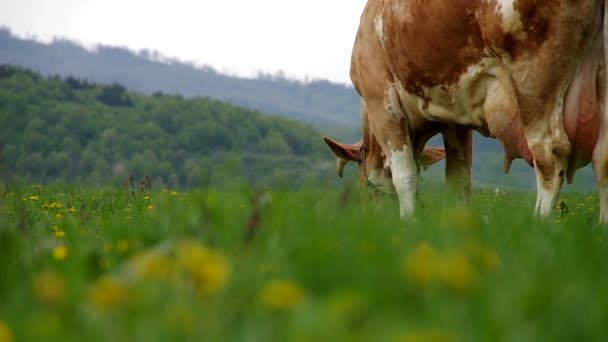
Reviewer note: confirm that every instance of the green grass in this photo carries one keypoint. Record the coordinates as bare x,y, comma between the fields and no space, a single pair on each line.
313,265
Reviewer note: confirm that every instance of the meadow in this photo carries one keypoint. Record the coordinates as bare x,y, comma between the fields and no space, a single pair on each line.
135,263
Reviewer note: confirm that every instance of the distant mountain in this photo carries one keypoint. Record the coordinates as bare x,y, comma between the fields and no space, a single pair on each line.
319,102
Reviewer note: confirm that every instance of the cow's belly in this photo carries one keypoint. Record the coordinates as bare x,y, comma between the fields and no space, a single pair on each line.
461,103
583,109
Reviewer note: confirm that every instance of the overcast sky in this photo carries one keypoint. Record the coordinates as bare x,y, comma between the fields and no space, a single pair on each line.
305,38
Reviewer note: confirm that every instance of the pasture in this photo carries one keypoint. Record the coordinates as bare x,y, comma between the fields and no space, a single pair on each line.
139,264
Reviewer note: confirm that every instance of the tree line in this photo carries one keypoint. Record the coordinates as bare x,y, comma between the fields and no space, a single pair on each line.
58,129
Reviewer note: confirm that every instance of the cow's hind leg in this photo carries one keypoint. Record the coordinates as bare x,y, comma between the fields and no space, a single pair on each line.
600,169
458,143
388,123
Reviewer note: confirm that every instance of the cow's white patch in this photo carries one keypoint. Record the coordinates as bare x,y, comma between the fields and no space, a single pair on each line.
379,26
461,103
511,20
545,198
405,175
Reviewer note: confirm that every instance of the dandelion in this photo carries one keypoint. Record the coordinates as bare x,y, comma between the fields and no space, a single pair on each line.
34,198
457,272
59,216
425,336
5,333
122,246
108,247
180,320
208,268
150,207
420,265
281,295
485,256
108,293
49,288
72,209
158,267
173,193
345,306
60,234
461,219
60,252
146,198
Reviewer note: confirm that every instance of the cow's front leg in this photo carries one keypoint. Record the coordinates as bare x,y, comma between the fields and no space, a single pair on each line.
458,143
600,169
405,174
600,165
550,152
388,122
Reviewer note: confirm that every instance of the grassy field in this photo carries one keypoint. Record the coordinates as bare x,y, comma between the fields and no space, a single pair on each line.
319,265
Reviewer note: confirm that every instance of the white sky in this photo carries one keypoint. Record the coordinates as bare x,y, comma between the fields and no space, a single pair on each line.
304,38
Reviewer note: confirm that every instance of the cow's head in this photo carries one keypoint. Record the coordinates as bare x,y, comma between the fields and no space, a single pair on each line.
374,169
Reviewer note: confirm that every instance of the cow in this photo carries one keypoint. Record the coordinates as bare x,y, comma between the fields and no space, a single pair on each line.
528,73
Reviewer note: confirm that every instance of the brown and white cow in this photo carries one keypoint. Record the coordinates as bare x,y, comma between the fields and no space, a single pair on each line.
529,73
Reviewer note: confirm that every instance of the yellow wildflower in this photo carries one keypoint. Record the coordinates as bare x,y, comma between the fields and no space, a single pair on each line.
5,333
107,247
146,198
59,234
208,269
281,294
49,288
346,306
72,209
59,216
60,252
425,336
108,293
461,219
485,256
157,266
122,246
420,265
150,207
457,272
173,193
180,320
34,198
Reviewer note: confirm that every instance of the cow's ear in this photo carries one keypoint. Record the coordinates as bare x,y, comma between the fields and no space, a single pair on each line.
344,153
431,155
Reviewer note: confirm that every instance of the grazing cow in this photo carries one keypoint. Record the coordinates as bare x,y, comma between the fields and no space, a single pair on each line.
529,73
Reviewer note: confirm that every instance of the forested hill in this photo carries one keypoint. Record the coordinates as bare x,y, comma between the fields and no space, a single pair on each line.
74,131
318,102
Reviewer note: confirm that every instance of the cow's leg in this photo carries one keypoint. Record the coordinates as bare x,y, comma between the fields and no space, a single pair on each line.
600,169
458,144
600,152
388,123
550,148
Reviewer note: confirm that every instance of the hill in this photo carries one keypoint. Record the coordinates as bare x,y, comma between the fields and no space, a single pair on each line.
68,130
147,72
